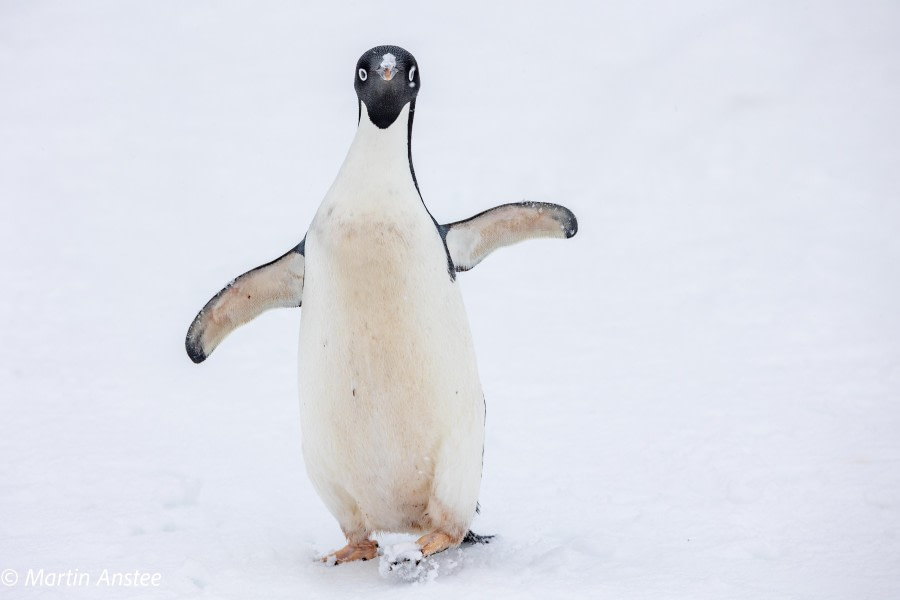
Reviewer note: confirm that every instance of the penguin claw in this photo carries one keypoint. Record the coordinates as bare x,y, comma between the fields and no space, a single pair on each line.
365,550
402,561
434,542
403,555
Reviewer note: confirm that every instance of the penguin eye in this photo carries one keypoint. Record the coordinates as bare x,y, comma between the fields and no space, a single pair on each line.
363,75
412,73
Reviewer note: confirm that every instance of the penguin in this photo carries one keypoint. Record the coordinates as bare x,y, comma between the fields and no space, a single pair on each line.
392,410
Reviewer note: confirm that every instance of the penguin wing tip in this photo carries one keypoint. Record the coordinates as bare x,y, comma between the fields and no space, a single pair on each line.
194,351
567,222
193,340
571,226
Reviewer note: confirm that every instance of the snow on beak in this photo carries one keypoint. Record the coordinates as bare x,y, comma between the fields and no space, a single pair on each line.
388,67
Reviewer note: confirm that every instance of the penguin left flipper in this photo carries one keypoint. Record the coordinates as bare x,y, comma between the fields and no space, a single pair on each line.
273,285
471,240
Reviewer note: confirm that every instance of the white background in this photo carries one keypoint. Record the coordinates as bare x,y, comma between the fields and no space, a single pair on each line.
696,397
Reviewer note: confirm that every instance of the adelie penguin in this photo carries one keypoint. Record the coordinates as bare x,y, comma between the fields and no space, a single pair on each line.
392,412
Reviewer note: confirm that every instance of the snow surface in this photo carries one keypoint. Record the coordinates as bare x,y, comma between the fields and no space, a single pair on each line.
696,397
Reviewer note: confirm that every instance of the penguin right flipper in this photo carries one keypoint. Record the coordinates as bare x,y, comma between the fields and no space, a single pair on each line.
471,240
272,285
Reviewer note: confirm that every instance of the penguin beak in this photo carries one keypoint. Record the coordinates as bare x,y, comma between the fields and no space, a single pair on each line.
388,67
387,73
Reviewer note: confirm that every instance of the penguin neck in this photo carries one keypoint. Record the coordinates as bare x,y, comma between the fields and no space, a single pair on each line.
382,157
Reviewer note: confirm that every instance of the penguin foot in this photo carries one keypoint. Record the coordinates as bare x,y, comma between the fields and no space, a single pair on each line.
434,542
364,550
472,538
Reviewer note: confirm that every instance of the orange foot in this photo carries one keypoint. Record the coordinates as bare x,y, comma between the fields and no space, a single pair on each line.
434,542
364,550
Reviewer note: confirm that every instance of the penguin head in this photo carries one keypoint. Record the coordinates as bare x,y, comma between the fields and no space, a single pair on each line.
387,79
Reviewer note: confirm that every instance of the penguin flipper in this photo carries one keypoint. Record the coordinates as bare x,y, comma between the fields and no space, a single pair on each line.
469,241
272,285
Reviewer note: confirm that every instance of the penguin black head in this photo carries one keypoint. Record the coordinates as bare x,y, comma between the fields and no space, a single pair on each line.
387,79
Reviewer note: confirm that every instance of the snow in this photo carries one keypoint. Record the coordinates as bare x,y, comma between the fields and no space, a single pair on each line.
388,61
695,397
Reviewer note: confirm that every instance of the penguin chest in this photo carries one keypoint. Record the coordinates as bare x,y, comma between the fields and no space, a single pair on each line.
379,288
381,312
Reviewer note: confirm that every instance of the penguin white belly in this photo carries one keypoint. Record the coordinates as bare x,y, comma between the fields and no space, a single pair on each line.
392,410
